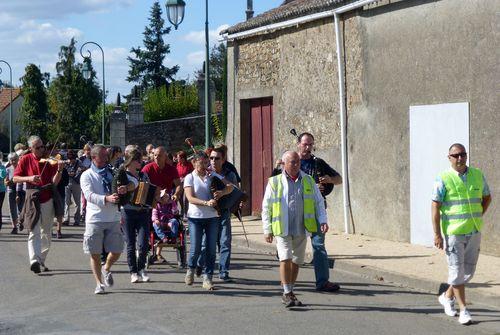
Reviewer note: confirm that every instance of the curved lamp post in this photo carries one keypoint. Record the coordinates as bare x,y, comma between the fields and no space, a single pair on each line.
87,74
175,14
10,106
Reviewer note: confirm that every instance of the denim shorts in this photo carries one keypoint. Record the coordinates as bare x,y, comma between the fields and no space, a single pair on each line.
99,235
462,253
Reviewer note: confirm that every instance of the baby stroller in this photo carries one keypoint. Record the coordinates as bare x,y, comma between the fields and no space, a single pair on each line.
168,230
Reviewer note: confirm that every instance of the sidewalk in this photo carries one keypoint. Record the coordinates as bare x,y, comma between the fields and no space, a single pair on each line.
400,263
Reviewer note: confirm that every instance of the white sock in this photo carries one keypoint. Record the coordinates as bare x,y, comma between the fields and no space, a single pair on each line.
287,288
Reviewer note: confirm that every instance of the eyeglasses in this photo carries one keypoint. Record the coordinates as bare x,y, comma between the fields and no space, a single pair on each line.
460,154
214,158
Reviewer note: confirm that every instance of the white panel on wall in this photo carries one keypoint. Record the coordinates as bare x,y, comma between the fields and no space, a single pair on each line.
433,128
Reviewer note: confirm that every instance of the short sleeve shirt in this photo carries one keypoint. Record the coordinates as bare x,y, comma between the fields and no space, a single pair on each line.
184,169
163,178
439,190
309,166
29,165
201,189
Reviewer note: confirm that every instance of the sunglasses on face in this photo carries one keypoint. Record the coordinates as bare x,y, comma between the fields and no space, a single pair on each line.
460,154
214,158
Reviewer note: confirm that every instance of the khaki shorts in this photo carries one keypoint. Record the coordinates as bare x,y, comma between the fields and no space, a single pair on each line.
107,235
292,247
462,253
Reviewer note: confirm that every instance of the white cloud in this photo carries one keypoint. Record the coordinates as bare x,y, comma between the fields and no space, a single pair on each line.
198,37
43,33
37,9
196,58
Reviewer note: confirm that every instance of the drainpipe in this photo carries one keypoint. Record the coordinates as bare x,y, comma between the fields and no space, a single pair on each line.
340,67
339,39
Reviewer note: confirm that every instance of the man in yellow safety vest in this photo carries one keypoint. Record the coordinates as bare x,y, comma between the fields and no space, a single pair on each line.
460,198
292,206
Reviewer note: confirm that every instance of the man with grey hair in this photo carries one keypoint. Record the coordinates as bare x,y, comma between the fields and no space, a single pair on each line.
292,207
102,221
38,210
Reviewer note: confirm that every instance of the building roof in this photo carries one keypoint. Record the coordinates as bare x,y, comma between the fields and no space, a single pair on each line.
5,97
289,9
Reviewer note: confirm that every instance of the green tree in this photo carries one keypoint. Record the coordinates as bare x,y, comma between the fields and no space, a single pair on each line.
146,67
34,115
73,100
170,102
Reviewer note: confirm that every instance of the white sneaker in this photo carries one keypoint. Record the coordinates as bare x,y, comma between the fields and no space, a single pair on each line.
134,278
99,289
143,276
189,277
448,304
107,278
465,318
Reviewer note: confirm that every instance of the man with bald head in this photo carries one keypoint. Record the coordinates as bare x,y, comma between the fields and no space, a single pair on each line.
460,198
162,174
292,206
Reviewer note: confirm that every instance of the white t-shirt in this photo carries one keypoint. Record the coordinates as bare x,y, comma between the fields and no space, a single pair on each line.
201,189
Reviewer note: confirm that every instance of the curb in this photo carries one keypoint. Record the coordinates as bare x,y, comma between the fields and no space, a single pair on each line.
377,274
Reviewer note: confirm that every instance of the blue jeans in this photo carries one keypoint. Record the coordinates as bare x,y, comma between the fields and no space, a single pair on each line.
136,229
197,228
223,242
174,229
320,259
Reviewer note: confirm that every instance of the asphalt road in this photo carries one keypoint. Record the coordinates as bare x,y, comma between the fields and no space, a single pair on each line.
62,301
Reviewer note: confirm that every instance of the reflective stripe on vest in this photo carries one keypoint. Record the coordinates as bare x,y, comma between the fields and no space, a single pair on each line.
461,209
277,221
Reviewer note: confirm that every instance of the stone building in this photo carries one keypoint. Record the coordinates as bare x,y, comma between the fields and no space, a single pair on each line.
414,77
17,102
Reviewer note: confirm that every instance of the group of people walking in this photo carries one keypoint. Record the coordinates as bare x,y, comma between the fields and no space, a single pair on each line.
293,208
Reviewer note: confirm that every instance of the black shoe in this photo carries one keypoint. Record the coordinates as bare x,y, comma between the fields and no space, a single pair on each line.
44,268
226,279
21,227
198,271
296,301
35,267
14,231
329,287
287,300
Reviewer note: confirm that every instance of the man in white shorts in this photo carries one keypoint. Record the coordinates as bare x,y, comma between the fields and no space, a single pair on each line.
460,198
292,207
102,220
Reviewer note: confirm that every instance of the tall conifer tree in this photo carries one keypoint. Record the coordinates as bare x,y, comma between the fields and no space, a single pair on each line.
146,67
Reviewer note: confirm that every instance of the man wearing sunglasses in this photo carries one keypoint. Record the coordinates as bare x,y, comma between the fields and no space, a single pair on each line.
460,198
38,210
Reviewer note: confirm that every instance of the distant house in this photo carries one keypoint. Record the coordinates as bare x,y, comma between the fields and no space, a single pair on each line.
387,85
17,102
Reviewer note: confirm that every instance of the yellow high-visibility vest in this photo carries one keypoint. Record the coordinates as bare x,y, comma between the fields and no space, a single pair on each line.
277,219
462,209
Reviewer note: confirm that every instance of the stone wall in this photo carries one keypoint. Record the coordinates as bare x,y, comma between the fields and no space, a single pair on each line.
170,133
420,53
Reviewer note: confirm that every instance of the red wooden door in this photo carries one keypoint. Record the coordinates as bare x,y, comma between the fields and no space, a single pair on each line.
262,143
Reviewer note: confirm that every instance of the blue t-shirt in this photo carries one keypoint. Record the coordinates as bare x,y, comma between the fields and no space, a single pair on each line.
3,174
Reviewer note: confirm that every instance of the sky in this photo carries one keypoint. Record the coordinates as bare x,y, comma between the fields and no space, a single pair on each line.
32,31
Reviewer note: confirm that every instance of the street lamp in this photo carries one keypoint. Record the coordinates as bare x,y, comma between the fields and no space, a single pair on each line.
10,106
87,73
175,14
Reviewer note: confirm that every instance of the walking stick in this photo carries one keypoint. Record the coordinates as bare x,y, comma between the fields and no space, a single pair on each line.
238,215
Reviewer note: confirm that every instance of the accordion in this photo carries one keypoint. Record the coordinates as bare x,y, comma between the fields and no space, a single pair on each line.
145,195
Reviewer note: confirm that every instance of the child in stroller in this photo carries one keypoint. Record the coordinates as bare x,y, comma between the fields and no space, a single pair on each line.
165,223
